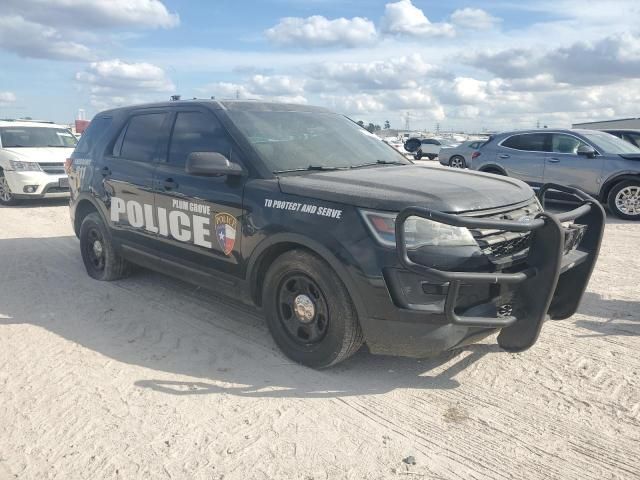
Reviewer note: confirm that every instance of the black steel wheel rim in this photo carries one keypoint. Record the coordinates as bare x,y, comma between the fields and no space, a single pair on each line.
94,249
305,326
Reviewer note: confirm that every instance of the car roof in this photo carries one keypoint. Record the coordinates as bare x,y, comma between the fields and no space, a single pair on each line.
549,130
30,123
632,130
232,105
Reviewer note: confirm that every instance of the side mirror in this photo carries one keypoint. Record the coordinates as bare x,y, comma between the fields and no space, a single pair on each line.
211,164
586,150
412,145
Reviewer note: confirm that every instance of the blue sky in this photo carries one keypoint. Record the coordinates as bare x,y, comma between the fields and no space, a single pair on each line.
468,65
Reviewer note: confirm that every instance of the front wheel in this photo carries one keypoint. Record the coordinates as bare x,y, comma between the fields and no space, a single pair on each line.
624,200
309,311
6,196
100,259
457,162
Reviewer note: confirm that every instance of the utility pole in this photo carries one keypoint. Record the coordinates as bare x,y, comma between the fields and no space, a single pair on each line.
407,123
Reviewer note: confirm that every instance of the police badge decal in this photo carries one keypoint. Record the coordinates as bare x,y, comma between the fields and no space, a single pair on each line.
226,231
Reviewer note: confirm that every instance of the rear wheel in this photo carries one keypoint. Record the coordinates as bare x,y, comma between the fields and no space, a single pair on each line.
309,311
457,162
624,200
6,196
418,155
100,259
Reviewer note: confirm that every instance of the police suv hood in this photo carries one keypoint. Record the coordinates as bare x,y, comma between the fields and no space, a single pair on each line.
41,154
393,188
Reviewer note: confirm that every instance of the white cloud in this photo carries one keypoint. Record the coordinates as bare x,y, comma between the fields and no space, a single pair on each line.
87,14
250,91
115,82
319,31
276,85
116,75
405,18
606,60
29,39
474,18
7,98
399,72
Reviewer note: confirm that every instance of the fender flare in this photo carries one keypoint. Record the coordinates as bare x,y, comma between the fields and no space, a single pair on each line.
98,206
253,263
492,166
609,183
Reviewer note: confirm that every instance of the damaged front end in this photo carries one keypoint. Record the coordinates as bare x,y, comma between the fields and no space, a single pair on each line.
555,254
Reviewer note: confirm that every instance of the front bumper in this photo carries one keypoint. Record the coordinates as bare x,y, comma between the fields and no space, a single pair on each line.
46,185
548,284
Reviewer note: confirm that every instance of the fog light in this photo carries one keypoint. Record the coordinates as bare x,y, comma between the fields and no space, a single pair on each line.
30,188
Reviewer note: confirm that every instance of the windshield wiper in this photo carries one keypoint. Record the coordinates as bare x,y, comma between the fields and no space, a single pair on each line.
380,162
59,146
321,168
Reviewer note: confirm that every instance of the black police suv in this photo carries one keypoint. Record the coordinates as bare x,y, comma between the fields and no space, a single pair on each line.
337,237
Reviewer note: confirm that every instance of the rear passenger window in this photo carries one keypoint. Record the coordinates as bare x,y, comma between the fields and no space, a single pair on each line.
141,137
94,132
531,142
197,132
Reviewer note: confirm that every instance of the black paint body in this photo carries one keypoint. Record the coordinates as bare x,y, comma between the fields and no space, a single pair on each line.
399,311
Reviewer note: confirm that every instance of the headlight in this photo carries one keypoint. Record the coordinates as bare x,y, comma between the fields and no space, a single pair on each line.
24,166
419,231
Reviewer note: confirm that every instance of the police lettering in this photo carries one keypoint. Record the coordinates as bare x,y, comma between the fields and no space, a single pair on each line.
175,223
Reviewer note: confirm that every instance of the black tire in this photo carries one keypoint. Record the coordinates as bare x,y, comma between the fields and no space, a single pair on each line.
102,263
495,171
624,200
418,155
457,161
431,156
6,197
331,333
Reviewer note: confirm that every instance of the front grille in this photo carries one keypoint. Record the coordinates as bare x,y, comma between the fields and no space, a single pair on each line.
52,168
498,244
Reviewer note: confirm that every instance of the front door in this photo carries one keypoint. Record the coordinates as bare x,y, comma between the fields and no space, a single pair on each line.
566,167
128,177
203,215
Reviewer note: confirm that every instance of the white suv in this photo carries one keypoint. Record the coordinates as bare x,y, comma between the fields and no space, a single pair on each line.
32,156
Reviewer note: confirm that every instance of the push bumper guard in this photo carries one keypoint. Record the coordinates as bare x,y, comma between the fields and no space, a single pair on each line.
554,277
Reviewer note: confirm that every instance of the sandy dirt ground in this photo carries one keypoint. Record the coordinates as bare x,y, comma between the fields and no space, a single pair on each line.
152,378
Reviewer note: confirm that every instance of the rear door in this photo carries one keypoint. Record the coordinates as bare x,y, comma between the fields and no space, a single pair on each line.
523,156
128,170
566,167
203,228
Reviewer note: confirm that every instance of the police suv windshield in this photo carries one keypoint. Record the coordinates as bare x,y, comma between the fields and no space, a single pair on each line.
294,141
36,137
608,143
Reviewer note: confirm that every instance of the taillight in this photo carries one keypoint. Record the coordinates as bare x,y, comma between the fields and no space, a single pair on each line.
67,164
475,155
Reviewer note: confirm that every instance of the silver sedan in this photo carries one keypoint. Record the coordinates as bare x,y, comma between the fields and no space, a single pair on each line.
459,156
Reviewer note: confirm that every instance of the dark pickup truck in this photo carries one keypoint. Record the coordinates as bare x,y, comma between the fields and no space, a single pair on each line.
333,234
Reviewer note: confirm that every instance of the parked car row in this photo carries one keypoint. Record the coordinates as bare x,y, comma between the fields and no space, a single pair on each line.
600,163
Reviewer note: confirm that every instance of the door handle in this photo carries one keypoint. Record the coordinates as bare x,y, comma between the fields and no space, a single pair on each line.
504,155
106,171
169,184
554,160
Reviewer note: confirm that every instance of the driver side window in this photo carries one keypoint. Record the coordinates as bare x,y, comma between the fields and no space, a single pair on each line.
197,132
